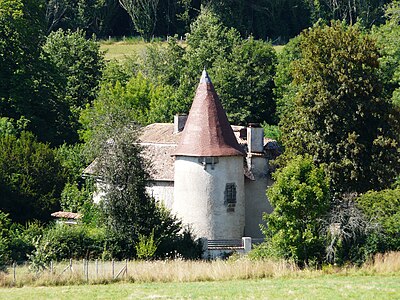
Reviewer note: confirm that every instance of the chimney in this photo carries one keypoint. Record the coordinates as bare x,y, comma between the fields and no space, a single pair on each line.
179,122
255,138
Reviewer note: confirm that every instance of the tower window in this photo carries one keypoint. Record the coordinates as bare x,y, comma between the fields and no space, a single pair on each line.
230,196
208,161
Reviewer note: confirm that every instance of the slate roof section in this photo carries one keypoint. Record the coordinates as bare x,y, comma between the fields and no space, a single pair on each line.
207,131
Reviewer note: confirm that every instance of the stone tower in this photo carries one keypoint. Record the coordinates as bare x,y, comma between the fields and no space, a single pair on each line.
209,177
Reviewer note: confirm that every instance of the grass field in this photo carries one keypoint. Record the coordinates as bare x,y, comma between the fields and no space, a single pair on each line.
321,287
122,49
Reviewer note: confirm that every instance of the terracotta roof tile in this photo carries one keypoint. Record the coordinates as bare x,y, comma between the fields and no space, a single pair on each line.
207,131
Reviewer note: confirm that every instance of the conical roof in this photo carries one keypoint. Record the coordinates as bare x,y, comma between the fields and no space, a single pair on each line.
207,131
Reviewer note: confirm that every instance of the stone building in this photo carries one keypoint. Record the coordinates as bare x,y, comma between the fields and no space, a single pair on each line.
211,174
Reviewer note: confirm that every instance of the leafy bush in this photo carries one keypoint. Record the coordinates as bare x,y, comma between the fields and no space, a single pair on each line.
63,241
146,246
74,198
383,208
300,197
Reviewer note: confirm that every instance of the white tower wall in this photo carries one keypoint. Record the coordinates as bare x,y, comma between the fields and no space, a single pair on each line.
200,196
256,199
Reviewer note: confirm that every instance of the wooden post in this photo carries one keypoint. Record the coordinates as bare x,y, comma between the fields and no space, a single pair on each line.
70,264
112,263
97,268
51,267
126,268
87,270
15,271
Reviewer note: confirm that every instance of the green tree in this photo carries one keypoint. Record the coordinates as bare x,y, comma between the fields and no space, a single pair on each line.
93,16
388,39
301,199
129,211
285,90
340,115
31,178
79,63
143,14
242,70
29,83
244,82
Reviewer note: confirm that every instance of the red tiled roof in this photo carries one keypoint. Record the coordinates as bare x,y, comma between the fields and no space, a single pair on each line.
207,131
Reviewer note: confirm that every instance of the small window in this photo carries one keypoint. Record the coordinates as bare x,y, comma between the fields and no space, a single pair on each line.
208,161
230,196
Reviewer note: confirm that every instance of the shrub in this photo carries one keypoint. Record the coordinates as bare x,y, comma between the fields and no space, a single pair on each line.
300,197
383,208
62,241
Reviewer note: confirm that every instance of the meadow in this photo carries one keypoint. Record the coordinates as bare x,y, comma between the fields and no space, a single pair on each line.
239,278
123,49
320,287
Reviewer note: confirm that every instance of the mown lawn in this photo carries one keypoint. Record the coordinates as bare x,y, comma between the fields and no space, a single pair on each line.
321,287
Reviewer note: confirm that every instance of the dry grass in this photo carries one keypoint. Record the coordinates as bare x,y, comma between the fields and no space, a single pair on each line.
189,271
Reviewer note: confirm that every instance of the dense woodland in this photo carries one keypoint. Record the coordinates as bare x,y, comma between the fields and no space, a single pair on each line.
331,98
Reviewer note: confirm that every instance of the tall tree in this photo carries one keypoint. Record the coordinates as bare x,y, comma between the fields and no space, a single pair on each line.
388,39
29,83
31,178
128,209
340,115
143,14
244,82
79,63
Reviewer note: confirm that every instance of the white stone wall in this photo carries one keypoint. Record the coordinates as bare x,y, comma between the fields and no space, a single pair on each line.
199,196
256,198
162,191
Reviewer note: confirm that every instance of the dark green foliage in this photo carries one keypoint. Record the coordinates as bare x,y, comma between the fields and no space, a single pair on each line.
300,197
242,71
62,241
31,178
79,63
98,17
382,208
29,83
4,240
244,82
16,241
388,39
285,90
143,14
340,115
